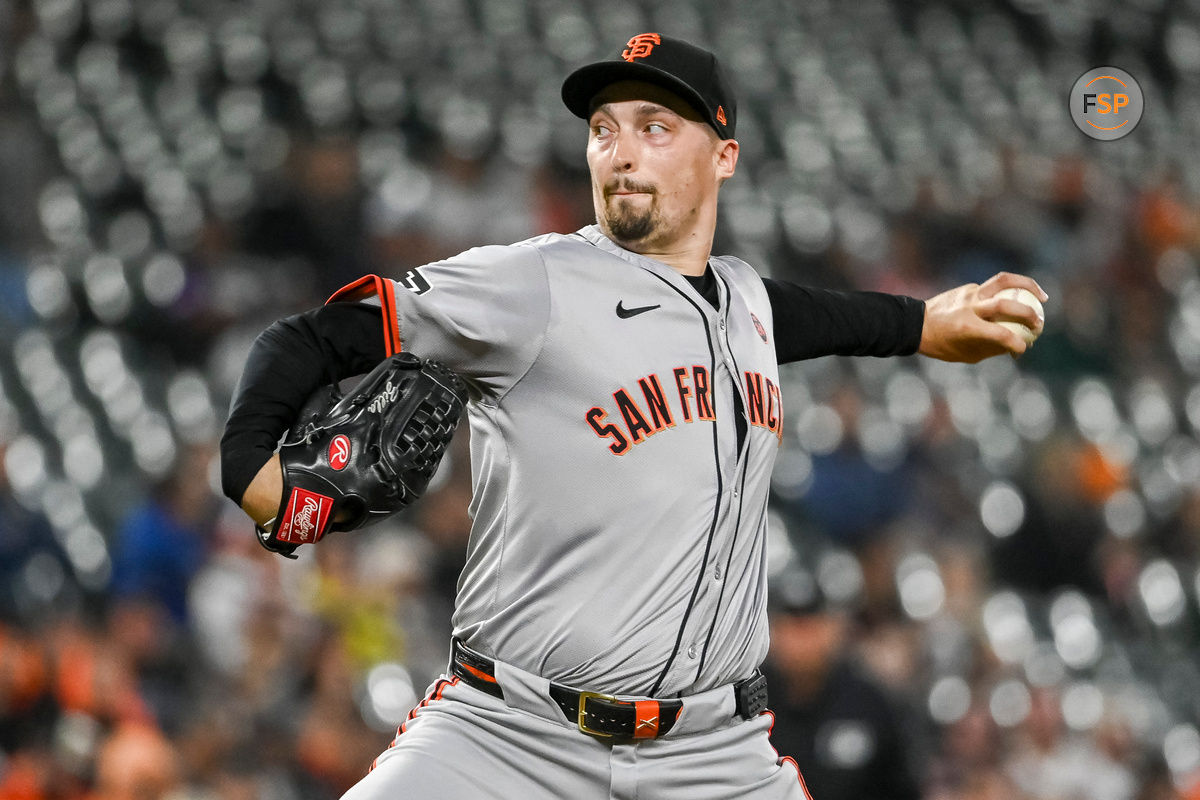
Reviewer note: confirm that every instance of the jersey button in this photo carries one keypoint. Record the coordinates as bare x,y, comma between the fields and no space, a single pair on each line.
717,572
691,651
721,324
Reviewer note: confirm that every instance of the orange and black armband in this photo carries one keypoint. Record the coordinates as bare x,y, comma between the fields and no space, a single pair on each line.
369,286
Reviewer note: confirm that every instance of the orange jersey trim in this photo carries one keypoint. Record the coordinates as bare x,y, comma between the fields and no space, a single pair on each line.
433,696
375,286
787,759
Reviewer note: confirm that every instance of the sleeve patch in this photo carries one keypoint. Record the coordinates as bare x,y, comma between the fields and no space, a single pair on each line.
414,281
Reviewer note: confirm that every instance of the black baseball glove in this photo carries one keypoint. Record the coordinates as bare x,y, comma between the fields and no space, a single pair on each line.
355,460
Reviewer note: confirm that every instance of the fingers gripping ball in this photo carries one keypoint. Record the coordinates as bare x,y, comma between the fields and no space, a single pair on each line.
352,461
1030,299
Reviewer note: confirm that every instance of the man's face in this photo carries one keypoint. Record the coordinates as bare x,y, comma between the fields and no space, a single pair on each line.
656,167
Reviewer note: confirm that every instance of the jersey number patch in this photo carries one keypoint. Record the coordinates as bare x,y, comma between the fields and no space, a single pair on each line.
414,281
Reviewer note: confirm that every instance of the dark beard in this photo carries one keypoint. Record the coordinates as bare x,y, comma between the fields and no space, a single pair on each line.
629,225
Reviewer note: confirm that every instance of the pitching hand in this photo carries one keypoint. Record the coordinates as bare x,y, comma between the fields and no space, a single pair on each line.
960,324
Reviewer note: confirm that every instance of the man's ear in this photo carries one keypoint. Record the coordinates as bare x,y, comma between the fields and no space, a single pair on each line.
727,156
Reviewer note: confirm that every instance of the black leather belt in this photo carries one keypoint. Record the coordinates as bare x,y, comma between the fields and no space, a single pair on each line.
603,715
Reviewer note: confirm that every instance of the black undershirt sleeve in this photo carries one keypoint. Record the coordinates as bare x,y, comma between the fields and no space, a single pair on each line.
288,362
822,322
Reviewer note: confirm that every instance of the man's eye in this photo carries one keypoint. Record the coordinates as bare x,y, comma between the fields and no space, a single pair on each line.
600,130
655,127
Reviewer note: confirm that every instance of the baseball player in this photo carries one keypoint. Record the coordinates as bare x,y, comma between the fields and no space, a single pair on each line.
625,414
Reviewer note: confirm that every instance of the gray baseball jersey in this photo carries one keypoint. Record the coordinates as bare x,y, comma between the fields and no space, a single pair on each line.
618,537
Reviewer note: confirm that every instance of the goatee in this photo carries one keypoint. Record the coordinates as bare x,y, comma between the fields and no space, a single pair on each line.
629,224
629,221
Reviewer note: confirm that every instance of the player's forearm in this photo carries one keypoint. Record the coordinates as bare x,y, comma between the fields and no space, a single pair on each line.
261,498
810,322
280,373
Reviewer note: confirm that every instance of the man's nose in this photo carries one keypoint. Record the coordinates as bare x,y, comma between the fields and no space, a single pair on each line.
624,153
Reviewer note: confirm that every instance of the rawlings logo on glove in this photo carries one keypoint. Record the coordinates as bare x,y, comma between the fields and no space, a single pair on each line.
339,452
307,513
358,459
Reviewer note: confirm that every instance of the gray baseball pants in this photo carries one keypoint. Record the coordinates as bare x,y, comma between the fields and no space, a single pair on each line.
462,743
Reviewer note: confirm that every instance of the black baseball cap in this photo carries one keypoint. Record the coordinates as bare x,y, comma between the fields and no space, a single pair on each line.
688,71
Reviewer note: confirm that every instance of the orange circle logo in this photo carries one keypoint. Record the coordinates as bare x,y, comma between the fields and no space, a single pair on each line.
1106,103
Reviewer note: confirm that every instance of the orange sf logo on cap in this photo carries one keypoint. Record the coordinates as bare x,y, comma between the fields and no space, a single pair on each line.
721,115
641,46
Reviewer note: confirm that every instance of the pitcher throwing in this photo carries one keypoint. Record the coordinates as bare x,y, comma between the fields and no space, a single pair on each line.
625,415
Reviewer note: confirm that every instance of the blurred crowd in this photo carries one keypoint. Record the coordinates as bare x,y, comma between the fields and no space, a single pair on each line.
986,579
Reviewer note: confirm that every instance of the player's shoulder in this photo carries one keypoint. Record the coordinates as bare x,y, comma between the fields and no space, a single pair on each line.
550,245
744,281
739,273
527,251
734,266
544,240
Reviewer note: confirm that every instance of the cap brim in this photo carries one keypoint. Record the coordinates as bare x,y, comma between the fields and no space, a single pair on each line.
582,85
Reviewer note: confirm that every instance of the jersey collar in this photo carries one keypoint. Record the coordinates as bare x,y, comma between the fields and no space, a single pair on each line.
595,236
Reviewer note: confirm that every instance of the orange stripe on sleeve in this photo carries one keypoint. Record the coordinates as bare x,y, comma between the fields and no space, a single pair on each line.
389,293
375,286
356,290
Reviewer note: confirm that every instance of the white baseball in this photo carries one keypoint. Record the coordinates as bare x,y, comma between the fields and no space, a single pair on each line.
1030,299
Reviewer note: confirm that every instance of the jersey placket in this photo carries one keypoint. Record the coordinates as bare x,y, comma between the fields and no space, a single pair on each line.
685,656
688,668
732,517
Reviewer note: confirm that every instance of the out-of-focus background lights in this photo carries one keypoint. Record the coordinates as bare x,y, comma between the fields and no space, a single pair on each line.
1011,542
